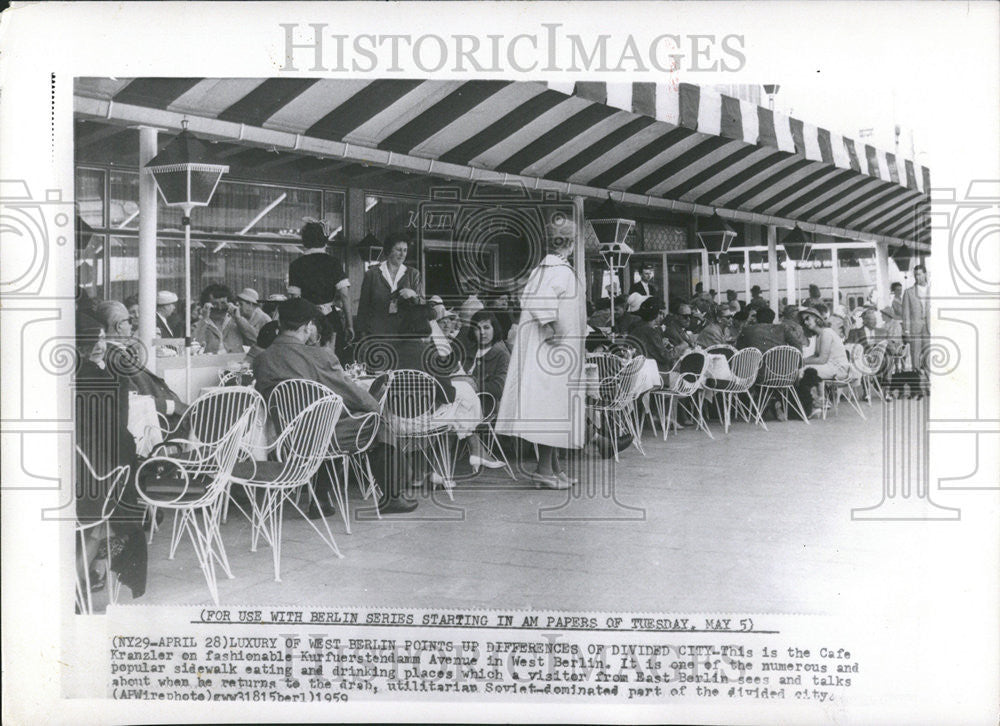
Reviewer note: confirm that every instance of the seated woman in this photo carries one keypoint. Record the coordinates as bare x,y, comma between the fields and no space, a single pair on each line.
647,336
830,359
107,443
489,364
457,401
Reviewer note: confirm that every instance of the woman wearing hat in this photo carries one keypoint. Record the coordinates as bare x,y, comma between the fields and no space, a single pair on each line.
830,359
383,285
248,315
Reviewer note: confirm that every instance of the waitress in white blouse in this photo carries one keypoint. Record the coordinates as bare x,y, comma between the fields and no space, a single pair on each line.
377,314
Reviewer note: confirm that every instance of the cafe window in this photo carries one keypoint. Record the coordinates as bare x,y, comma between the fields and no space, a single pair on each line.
90,196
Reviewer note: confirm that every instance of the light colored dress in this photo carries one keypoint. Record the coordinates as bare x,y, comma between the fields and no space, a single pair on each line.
543,397
837,365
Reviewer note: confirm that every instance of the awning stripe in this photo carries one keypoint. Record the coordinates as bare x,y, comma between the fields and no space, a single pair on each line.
825,148
265,100
872,157
558,135
735,183
156,92
765,124
579,159
911,177
812,178
731,125
306,109
495,132
838,179
727,163
890,160
870,200
460,101
678,165
796,129
518,138
359,108
212,96
688,105
825,208
396,115
852,154
659,144
795,167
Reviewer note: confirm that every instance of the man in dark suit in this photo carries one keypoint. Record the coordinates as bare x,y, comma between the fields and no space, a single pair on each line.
295,353
645,285
869,334
121,359
764,334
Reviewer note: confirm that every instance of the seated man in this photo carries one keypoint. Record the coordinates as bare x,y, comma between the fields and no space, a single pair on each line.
216,330
122,360
869,334
296,353
675,326
714,332
762,335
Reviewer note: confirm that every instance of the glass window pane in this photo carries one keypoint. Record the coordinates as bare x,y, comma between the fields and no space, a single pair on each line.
124,206
385,215
256,210
90,196
333,212
90,268
123,274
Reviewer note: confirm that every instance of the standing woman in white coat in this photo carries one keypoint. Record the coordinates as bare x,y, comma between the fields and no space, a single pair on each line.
542,400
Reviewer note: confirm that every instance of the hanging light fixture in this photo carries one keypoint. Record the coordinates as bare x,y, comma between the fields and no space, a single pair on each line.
798,245
186,177
612,228
716,235
902,255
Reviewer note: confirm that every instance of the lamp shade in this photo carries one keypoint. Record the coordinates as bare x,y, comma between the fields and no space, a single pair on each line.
611,225
715,234
902,255
185,173
798,245
615,254
771,88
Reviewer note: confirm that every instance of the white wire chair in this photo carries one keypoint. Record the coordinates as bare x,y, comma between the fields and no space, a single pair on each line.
492,444
843,386
870,365
290,397
235,378
779,372
301,448
685,387
744,366
408,404
722,349
614,409
195,492
207,421
115,482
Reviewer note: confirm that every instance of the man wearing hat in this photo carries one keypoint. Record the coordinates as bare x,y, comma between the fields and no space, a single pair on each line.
248,315
296,353
166,304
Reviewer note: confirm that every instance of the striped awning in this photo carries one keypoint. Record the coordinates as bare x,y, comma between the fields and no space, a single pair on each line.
647,141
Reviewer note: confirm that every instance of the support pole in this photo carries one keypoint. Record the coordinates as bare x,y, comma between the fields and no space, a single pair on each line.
187,305
835,274
147,241
772,265
580,261
790,280
746,274
882,272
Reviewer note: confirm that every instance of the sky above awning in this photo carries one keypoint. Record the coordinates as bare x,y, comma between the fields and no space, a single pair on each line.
664,141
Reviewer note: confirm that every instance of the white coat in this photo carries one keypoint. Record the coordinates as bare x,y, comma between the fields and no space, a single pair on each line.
543,398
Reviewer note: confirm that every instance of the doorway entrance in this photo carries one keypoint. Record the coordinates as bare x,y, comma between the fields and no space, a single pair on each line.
679,278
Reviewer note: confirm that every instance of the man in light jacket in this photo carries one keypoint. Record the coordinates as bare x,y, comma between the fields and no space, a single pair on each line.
916,315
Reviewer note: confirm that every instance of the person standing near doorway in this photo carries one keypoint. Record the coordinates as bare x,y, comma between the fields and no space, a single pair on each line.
321,280
645,285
